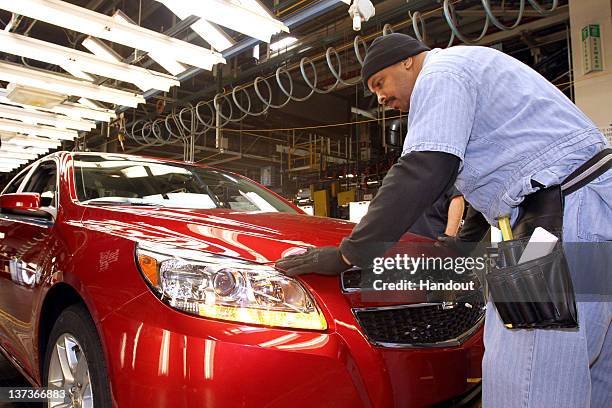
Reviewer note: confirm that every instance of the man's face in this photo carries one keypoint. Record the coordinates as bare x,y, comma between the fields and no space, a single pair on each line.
393,85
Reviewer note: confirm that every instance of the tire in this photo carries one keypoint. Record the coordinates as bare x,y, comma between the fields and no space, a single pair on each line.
76,334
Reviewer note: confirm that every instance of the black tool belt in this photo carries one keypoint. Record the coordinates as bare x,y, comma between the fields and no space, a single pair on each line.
539,293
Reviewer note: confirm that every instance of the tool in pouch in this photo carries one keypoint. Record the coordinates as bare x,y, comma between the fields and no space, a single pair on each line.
536,293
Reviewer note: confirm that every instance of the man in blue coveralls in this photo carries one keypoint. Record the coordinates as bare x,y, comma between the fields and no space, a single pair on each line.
498,131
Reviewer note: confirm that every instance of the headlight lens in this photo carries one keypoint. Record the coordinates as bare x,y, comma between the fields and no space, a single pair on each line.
228,289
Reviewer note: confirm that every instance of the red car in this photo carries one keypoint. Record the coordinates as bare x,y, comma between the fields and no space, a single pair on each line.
137,282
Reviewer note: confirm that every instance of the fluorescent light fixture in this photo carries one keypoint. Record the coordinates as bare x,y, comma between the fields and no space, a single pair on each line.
142,80
19,93
42,118
212,34
77,63
257,7
20,127
171,65
97,47
11,139
237,17
20,149
11,162
16,155
75,110
282,43
89,22
75,72
71,110
63,85
88,103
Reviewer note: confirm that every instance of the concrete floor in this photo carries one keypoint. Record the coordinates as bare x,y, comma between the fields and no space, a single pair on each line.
9,377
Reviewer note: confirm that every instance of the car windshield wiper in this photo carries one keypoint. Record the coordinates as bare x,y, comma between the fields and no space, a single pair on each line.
102,201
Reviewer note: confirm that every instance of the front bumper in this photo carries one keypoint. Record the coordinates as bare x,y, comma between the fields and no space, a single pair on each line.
160,357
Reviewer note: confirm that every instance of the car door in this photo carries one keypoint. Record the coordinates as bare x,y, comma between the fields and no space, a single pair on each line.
5,226
25,248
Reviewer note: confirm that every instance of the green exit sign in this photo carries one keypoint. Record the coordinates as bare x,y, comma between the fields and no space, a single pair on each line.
592,58
592,30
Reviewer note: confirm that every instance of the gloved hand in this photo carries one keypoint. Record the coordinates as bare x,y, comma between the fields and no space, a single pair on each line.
324,261
456,244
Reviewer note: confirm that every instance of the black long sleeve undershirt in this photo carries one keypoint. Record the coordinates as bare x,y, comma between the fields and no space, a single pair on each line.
413,184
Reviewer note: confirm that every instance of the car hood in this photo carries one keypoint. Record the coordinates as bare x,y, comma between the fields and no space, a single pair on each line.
253,236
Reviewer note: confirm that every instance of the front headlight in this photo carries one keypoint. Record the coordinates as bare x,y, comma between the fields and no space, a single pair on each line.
229,289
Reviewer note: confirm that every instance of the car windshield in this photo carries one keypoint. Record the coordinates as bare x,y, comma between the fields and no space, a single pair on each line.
118,180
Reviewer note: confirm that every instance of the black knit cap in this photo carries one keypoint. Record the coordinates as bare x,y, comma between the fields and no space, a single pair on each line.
388,50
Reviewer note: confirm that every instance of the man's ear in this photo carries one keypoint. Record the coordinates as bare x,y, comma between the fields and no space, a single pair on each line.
407,63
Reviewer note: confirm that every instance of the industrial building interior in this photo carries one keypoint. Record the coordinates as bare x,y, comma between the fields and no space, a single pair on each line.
313,127
276,96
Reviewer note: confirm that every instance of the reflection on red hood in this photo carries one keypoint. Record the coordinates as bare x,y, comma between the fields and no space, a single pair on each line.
260,237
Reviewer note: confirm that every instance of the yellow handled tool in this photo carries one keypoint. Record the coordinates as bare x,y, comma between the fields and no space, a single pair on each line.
506,230
504,226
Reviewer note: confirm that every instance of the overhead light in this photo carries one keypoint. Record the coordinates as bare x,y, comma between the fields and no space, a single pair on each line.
48,81
78,62
168,63
282,43
11,162
76,110
89,22
71,110
12,139
17,155
27,95
361,10
19,127
212,34
257,7
20,149
234,16
77,73
172,66
141,77
97,47
37,117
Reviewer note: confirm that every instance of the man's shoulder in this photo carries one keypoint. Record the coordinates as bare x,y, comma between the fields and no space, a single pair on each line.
460,58
469,63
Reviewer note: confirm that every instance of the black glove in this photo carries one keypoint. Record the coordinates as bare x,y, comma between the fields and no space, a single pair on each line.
324,261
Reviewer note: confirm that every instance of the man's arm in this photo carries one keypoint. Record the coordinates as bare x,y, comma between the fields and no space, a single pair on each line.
412,185
455,214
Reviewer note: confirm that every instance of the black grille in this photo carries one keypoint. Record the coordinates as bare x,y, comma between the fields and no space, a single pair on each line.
426,324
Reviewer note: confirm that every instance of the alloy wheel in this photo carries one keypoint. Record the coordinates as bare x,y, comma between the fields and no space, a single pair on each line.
69,371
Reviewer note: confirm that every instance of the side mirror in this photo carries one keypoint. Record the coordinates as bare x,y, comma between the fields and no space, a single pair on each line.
26,204
20,202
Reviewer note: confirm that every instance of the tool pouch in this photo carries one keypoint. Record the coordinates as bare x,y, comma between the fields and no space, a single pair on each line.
537,293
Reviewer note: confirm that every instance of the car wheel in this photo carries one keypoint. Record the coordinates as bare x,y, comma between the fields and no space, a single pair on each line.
74,362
